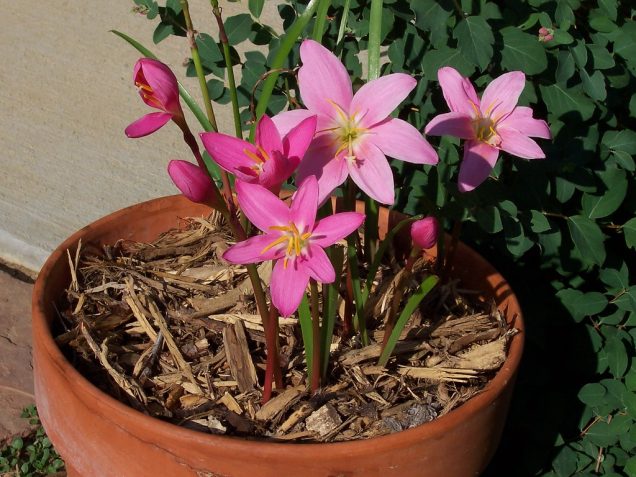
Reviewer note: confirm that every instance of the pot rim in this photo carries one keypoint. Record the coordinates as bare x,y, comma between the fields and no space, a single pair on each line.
85,388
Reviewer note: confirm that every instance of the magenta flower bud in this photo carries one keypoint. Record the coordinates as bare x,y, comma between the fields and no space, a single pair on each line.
545,34
424,232
191,180
159,89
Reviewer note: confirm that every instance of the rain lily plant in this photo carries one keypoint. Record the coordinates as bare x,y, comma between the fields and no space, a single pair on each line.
339,137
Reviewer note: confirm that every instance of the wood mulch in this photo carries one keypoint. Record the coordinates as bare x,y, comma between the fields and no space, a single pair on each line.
171,329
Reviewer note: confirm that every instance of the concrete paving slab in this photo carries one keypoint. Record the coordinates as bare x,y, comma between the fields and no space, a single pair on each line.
16,370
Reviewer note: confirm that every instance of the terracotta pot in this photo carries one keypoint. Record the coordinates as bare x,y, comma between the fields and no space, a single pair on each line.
99,437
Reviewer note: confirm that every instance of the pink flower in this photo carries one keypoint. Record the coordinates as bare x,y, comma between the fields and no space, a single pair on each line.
192,181
424,232
494,123
271,161
355,132
159,89
546,34
292,237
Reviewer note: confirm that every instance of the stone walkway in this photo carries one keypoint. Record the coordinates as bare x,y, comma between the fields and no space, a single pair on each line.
16,371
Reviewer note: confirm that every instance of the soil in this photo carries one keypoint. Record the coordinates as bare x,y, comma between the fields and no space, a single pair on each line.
172,330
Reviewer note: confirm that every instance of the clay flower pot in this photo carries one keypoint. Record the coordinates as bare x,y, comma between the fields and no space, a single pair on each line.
99,436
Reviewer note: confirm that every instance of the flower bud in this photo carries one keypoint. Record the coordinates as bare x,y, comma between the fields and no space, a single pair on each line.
191,180
424,232
546,34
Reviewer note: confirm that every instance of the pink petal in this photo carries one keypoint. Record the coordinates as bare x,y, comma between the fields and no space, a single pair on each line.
335,227
229,153
297,140
458,91
252,250
267,135
319,266
402,141
287,120
304,205
147,124
377,99
191,180
372,173
319,161
260,206
521,119
501,95
288,286
163,82
323,78
451,124
517,143
424,232
479,159
276,171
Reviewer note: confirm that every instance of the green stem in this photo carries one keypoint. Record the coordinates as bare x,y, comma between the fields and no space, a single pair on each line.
287,43
375,34
321,18
342,28
315,320
230,70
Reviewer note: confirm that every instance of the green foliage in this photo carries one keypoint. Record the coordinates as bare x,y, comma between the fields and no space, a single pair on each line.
562,230
30,456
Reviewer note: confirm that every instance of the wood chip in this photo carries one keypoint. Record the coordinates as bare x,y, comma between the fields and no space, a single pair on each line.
278,403
439,374
239,358
229,402
324,420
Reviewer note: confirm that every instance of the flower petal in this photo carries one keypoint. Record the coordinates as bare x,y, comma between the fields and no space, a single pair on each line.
517,143
267,136
287,120
252,250
147,124
162,82
323,78
479,159
451,124
335,227
260,206
297,140
276,171
501,95
319,161
521,119
229,153
191,180
400,140
372,173
304,205
318,265
377,99
288,284
458,91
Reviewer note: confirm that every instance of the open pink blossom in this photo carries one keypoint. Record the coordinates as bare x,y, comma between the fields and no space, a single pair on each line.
355,132
192,181
424,232
292,237
159,89
494,123
270,161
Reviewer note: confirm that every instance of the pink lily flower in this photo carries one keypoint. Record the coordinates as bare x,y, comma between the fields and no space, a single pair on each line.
159,89
492,124
424,232
292,237
355,132
270,161
192,181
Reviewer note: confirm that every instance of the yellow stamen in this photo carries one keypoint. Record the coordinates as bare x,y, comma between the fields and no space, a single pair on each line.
252,156
291,236
280,239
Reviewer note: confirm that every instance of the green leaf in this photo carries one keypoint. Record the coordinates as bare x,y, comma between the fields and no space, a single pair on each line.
522,51
238,28
562,100
609,7
623,140
475,39
307,332
599,206
630,467
432,16
594,85
489,219
627,300
565,67
581,304
601,58
592,394
617,358
208,50
629,231
336,255
256,7
435,59
602,434
587,238
565,461
539,222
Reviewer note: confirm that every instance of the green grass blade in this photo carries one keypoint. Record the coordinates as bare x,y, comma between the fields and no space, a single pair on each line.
425,287
185,95
304,317
331,303
321,18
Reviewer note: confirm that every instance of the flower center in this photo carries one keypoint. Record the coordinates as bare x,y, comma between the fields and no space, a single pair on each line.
290,235
147,92
259,158
485,126
346,131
